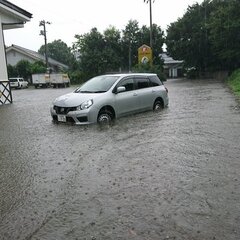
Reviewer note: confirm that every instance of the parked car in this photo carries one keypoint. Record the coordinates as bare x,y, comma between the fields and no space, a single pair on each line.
18,83
106,97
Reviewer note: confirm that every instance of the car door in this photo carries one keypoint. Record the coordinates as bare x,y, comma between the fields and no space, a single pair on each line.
126,102
144,92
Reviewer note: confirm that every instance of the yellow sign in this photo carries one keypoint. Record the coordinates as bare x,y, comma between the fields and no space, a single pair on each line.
144,54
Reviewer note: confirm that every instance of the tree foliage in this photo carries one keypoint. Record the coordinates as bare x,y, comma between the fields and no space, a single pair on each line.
114,50
187,38
97,53
92,46
224,33
130,44
59,51
112,38
38,67
207,36
12,71
23,69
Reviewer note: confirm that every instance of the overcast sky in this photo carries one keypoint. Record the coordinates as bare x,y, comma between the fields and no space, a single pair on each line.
80,16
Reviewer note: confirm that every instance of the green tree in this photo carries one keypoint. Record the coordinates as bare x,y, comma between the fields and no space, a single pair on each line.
207,36
38,67
92,58
224,29
109,52
12,71
58,50
134,37
130,44
112,49
23,68
188,38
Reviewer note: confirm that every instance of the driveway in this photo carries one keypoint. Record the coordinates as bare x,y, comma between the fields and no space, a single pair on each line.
167,175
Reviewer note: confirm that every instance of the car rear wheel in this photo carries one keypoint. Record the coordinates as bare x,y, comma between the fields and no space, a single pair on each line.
104,117
158,105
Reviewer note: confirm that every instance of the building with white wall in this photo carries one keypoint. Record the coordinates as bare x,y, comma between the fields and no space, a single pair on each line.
11,16
172,68
15,53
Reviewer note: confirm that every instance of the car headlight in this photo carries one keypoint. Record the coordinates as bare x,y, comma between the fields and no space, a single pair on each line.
85,105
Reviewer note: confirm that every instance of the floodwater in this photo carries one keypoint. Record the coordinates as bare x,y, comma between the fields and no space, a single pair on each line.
151,176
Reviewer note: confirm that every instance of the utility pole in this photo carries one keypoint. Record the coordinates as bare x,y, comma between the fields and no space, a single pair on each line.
44,33
150,10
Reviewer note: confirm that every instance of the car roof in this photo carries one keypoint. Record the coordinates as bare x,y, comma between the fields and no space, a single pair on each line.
131,74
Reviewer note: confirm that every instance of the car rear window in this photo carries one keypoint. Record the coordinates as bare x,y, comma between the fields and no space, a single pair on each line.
155,81
13,80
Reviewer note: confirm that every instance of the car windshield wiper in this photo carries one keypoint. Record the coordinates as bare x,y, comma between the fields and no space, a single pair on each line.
80,91
85,91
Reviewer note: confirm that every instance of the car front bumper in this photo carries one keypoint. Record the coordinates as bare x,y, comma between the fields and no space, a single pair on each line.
78,117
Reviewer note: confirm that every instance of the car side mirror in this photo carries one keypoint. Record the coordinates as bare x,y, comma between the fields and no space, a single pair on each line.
121,89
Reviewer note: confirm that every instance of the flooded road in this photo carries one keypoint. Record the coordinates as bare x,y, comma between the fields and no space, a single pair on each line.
151,176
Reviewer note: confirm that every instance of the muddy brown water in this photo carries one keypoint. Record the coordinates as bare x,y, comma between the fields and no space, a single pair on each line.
168,175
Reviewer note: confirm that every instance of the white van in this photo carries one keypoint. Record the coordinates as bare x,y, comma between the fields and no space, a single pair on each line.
18,83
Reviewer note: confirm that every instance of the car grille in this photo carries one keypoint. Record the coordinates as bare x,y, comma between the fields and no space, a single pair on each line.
64,110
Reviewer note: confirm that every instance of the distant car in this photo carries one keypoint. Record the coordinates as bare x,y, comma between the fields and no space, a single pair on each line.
106,97
18,83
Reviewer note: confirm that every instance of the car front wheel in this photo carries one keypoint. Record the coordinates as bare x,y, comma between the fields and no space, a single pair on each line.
104,117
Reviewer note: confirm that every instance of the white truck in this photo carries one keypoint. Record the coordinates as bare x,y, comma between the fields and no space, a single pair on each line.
41,80
59,80
55,80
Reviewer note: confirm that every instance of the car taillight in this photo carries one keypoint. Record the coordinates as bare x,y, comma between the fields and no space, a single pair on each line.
166,89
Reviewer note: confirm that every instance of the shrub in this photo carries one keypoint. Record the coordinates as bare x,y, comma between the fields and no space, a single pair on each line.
234,82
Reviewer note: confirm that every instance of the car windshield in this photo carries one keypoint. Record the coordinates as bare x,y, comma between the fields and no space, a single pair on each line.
98,84
13,79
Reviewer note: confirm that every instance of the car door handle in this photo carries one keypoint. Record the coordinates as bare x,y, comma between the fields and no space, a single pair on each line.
153,91
135,94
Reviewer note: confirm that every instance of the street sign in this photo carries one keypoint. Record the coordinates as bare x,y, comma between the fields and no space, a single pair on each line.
144,54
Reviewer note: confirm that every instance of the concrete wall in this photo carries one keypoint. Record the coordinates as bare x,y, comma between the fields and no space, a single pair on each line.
3,70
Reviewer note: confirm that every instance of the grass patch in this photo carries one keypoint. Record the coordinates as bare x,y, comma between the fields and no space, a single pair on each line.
234,82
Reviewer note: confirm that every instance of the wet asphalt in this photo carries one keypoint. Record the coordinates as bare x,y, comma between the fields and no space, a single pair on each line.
151,176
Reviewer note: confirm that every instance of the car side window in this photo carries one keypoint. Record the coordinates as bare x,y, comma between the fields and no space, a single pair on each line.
127,83
142,83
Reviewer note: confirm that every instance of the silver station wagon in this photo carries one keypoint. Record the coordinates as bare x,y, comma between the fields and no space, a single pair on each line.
107,97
